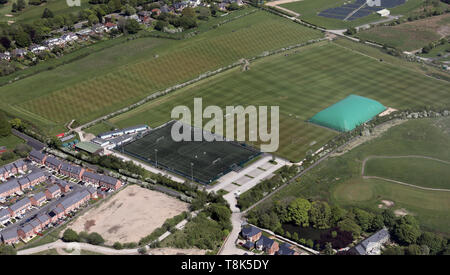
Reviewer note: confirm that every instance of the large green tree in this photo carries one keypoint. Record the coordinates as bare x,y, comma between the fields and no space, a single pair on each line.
407,231
320,214
95,238
298,212
434,242
70,236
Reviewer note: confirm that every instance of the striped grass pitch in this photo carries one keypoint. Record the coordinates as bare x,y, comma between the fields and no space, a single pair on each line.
302,83
84,101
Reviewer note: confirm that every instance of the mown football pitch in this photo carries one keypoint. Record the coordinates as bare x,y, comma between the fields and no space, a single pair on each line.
301,82
115,78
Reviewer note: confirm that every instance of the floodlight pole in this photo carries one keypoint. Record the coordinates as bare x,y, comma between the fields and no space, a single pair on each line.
192,171
156,157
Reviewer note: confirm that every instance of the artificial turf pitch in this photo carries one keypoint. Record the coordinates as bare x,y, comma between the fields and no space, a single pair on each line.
210,160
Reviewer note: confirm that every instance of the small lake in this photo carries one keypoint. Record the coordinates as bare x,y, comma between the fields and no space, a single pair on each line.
305,232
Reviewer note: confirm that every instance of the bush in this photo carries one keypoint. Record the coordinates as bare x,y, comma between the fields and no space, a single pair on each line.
84,236
22,150
117,245
70,236
142,250
95,238
130,245
7,155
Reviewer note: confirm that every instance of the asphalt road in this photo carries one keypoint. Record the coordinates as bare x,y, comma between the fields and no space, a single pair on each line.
34,143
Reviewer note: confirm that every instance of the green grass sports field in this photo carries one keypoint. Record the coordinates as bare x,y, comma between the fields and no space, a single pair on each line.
88,88
302,83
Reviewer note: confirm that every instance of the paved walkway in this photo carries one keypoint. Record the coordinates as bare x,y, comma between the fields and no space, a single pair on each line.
77,246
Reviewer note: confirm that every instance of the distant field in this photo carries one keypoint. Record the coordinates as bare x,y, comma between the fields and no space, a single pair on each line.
89,88
416,171
338,180
303,83
309,9
31,13
411,35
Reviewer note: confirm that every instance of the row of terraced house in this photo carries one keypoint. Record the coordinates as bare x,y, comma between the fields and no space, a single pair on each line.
65,206
256,240
74,171
17,186
20,207
12,169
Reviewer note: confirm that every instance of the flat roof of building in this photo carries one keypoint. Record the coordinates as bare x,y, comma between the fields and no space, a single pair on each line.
88,147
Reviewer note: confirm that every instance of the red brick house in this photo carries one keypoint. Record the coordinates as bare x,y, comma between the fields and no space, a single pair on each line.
11,169
56,214
24,183
20,165
92,192
36,224
4,174
36,178
20,207
9,188
110,182
72,171
267,245
44,219
251,233
26,232
37,157
10,236
52,192
63,185
38,199
75,201
53,163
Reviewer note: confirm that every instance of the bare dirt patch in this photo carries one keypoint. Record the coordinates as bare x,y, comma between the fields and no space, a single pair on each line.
385,204
125,218
401,212
88,224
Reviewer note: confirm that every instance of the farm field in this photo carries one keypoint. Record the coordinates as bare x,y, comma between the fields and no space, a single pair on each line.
302,82
89,88
31,12
411,170
338,180
124,219
411,35
309,9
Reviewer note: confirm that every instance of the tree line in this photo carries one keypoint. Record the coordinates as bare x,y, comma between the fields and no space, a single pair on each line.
357,222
